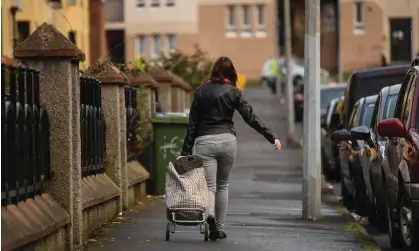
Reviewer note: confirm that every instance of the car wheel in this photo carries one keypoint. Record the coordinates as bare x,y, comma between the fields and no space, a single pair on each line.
394,234
408,226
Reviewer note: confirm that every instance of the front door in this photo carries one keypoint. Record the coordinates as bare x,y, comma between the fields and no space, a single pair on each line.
401,40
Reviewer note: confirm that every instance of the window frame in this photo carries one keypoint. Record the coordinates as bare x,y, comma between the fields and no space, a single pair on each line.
155,3
261,17
141,4
246,20
154,38
140,41
359,16
170,3
231,18
168,47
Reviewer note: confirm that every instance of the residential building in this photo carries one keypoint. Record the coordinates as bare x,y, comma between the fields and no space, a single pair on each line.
240,29
372,31
71,19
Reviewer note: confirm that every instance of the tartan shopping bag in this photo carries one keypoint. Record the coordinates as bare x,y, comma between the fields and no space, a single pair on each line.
186,186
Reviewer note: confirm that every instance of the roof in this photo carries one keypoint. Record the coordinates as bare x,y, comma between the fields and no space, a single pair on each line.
368,73
371,99
394,89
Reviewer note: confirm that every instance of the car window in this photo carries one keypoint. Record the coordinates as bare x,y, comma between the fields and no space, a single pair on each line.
367,114
390,107
375,115
326,95
401,103
407,105
354,116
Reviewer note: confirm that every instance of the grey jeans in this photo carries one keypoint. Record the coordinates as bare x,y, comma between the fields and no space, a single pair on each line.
218,153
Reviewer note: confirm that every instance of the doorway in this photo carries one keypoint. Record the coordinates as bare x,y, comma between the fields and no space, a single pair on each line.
401,40
116,45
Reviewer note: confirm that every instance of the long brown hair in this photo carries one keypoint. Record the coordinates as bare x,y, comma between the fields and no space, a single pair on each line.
224,71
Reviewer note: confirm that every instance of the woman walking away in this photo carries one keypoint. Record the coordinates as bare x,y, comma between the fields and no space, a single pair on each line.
211,131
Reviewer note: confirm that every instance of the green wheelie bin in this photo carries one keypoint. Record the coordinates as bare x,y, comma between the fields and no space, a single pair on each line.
169,133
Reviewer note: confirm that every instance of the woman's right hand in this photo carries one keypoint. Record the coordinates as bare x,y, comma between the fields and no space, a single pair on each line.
277,144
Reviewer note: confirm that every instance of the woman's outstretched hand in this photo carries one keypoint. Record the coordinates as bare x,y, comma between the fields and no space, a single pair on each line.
277,144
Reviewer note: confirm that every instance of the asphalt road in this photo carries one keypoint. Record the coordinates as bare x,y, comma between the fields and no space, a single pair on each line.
265,203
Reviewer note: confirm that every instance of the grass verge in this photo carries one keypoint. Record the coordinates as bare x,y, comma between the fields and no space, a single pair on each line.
367,242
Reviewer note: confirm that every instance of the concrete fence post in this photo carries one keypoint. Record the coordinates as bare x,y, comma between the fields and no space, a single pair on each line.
165,81
49,51
113,107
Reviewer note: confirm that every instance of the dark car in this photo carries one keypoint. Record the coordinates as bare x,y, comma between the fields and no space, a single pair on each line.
353,188
327,93
401,165
370,82
329,148
372,156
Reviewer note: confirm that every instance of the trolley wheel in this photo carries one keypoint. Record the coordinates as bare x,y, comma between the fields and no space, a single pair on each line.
206,232
168,231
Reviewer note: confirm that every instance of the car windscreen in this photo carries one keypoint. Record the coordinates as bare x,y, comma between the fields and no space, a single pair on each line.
367,114
326,95
390,107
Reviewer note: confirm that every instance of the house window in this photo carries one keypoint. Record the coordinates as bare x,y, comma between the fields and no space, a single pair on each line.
156,43
23,30
171,3
359,16
140,3
231,18
71,1
261,17
246,18
141,46
170,43
155,3
72,37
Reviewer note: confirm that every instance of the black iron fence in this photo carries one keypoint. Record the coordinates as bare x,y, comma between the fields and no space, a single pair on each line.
132,116
92,127
25,162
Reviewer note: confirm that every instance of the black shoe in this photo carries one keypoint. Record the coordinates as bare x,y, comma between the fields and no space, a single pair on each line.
211,223
217,235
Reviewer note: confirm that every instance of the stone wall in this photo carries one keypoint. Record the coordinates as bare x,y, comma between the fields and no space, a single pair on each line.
71,207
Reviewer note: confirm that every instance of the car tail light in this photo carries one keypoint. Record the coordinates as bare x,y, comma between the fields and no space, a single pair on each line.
299,97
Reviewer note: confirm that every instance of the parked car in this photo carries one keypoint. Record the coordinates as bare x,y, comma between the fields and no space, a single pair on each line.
369,82
327,93
352,183
401,165
297,72
371,158
329,149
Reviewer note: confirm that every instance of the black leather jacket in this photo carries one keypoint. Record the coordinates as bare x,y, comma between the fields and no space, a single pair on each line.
212,113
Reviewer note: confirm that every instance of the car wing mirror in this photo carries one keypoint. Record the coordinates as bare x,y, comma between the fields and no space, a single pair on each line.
341,135
362,133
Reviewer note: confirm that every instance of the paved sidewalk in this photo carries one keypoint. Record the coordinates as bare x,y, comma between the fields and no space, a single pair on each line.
265,203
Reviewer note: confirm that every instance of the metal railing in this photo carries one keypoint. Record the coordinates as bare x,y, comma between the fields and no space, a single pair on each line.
25,162
132,117
92,127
